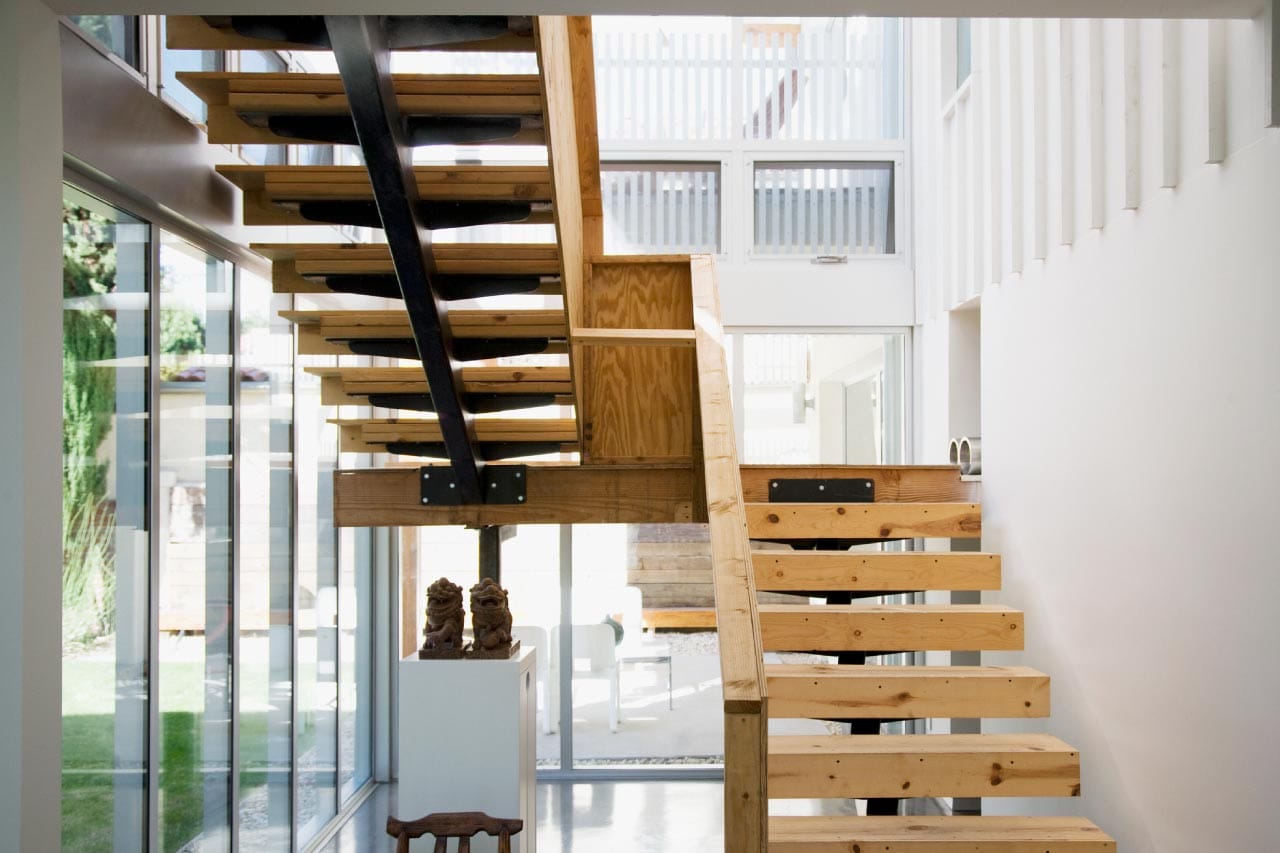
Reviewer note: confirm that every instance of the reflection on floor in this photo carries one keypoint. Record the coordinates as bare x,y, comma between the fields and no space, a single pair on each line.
635,817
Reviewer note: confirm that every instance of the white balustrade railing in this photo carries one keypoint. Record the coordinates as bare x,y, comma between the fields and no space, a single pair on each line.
654,208
823,208
833,79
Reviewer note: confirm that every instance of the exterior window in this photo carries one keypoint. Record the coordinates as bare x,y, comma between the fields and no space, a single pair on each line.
964,49
824,208
657,208
195,547
117,33
106,539
173,61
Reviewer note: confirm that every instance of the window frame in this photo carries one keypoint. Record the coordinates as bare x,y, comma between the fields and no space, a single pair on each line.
823,159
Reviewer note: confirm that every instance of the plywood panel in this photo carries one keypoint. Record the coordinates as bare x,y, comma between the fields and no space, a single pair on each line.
638,401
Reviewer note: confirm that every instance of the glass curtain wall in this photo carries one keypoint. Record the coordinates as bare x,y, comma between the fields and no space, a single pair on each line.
195,571
106,534
317,604
265,588
204,660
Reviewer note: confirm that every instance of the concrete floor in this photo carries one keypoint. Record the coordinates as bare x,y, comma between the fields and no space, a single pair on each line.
637,817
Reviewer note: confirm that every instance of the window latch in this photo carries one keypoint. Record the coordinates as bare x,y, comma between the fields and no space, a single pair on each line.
830,259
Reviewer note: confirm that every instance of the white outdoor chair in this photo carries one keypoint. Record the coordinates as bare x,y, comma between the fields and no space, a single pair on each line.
593,646
536,636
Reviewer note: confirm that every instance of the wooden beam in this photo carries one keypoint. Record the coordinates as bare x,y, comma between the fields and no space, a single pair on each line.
863,521
936,834
633,337
746,801
583,67
849,766
556,494
825,691
889,571
892,628
560,119
893,483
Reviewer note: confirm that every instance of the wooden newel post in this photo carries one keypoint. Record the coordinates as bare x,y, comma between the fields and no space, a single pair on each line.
746,799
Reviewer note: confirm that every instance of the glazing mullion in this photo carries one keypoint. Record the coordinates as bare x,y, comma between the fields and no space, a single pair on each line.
296,539
233,629
153,541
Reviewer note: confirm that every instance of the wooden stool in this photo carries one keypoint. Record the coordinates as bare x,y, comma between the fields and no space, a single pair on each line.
459,825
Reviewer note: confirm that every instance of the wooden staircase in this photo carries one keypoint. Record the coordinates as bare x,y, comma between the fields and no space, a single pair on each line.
484,402
637,348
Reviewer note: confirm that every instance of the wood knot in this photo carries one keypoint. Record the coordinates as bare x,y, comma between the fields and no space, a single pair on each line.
773,518
840,510
996,778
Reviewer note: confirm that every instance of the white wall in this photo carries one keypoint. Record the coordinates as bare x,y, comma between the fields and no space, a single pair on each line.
1131,404
30,448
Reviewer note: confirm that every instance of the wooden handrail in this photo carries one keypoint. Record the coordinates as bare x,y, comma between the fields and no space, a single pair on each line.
737,616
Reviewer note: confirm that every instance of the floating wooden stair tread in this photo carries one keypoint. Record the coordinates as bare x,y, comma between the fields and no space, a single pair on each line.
373,434
860,766
356,325
460,182
898,571
270,108
320,259
272,194
347,385
832,692
890,627
216,32
863,520
322,94
303,268
936,834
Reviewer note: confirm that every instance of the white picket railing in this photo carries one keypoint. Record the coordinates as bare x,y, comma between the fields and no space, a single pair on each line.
661,208
835,79
823,208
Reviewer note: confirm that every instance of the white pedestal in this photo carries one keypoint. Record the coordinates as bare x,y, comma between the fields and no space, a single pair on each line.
467,742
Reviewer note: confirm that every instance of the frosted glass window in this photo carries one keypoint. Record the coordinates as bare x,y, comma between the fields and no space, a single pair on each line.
653,208
824,209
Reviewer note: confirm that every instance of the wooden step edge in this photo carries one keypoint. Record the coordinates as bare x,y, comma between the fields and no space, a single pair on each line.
834,692
778,570
880,520
969,765
890,628
920,833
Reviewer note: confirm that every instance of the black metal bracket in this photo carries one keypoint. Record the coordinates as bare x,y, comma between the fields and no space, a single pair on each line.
501,484
826,490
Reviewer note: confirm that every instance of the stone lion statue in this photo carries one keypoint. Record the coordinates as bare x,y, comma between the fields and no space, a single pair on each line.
444,616
490,615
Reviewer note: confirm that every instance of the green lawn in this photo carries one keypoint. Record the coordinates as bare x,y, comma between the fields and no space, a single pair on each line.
88,740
